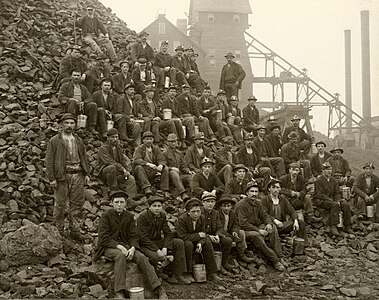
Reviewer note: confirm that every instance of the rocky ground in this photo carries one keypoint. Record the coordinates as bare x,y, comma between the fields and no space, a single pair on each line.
34,263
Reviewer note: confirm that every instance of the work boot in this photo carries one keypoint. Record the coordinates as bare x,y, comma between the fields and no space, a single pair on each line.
349,230
245,258
161,292
334,230
223,271
182,279
189,277
120,295
214,277
227,267
279,267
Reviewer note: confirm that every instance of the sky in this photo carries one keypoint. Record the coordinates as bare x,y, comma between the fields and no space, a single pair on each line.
307,33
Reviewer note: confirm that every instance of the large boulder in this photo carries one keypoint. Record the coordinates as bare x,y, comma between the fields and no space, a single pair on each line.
31,244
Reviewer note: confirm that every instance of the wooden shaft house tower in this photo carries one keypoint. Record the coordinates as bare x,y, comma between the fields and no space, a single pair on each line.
218,27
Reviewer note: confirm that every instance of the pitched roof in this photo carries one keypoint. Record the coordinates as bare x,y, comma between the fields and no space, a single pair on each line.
233,6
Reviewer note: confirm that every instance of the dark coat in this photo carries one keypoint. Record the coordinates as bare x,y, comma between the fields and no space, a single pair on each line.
136,77
264,147
193,159
187,105
66,92
106,157
115,229
285,207
360,186
316,163
326,190
123,107
180,64
222,159
120,81
154,230
173,105
185,230
213,224
303,136
276,143
287,186
249,160
84,22
163,60
235,189
98,98
339,165
139,156
56,158
232,74
200,184
137,51
232,224
290,153
251,214
174,159
250,116
145,110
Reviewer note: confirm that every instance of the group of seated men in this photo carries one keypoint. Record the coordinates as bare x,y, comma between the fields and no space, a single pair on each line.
242,218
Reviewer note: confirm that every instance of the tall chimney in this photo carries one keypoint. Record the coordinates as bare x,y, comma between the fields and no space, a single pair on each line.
348,93
366,78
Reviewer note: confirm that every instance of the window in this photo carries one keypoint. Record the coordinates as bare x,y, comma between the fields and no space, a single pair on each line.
237,53
236,18
212,57
176,44
211,18
162,28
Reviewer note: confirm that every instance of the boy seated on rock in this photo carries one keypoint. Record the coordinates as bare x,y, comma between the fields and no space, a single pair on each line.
215,232
278,208
157,240
230,226
118,240
191,229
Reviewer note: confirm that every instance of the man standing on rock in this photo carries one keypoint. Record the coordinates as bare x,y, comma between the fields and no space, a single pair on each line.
232,75
67,169
118,240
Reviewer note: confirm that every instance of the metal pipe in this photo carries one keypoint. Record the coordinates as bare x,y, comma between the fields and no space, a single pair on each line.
348,93
366,78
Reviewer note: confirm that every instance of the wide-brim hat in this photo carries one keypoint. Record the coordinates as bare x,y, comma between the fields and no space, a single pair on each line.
199,136
225,199
369,165
275,126
239,167
147,134
336,149
295,118
142,60
172,87
172,137
252,98
193,202
207,160
118,193
326,165
293,135
179,48
129,85
149,88
251,184
155,198
248,136
112,131
67,116
229,54
320,143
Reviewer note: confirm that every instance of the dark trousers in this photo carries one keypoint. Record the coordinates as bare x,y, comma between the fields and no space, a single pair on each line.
145,173
120,262
288,228
126,129
179,265
258,242
114,178
306,204
90,110
69,199
207,253
334,208
361,203
225,246
230,89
